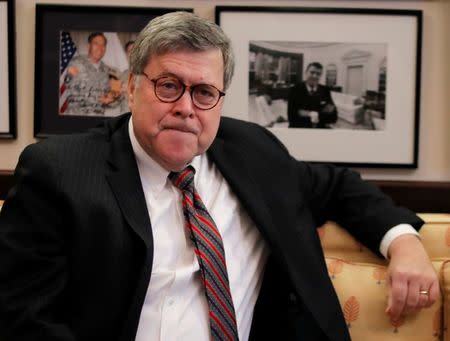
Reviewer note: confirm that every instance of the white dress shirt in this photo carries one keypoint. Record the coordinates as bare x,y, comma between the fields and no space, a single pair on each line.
175,307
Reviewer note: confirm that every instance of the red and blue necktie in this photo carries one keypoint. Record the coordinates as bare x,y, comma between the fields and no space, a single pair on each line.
211,257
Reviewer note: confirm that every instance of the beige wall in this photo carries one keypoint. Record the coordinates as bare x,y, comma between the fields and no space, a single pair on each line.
434,149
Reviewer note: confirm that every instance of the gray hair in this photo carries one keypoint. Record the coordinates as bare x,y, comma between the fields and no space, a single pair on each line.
178,31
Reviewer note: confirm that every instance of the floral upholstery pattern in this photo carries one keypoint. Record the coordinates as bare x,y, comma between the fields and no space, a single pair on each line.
359,277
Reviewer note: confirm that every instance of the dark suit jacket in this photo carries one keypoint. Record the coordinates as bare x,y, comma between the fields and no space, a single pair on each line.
300,98
76,246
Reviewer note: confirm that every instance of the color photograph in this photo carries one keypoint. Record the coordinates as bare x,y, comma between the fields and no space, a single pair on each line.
94,69
82,63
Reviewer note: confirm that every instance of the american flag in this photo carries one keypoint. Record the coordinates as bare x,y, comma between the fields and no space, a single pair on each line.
68,50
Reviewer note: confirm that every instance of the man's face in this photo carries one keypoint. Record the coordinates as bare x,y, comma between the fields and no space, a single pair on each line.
173,133
97,48
312,76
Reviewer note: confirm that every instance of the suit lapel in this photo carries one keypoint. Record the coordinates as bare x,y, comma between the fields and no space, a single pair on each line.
232,165
126,184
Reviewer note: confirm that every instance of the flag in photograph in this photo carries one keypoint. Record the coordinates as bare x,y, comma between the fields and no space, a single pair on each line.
67,51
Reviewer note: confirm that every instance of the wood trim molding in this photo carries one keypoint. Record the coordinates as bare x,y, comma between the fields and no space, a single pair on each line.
419,196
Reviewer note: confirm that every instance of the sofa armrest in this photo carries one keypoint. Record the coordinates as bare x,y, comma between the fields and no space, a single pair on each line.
359,278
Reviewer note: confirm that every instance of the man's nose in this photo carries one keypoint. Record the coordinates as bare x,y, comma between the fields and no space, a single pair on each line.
185,106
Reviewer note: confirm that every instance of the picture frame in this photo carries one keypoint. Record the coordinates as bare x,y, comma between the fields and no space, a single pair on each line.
7,70
369,64
72,92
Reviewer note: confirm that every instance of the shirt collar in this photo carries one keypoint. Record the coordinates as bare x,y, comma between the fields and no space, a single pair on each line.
151,172
310,88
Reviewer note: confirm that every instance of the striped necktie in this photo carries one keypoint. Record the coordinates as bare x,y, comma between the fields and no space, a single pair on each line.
211,257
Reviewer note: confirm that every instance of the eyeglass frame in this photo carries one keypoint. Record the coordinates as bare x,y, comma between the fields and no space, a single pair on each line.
190,87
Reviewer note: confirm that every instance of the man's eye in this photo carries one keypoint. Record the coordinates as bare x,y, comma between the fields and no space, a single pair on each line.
169,85
205,92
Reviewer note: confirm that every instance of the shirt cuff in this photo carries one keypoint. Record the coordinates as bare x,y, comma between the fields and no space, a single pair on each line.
393,233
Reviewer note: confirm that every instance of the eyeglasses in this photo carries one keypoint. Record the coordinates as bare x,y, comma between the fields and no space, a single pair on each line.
169,89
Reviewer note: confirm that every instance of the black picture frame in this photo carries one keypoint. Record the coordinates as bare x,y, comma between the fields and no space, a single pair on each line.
8,110
51,20
396,144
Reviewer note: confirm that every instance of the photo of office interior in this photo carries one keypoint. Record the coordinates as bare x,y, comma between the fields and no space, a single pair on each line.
353,76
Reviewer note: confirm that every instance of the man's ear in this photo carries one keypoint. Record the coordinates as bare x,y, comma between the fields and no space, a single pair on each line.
131,89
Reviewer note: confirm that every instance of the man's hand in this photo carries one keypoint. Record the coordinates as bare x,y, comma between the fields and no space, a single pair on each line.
73,71
329,108
412,280
108,98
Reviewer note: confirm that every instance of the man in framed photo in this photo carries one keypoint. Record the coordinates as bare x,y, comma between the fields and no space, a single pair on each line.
91,85
124,78
174,223
310,104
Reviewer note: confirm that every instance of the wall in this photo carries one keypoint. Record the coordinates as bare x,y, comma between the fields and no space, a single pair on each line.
434,150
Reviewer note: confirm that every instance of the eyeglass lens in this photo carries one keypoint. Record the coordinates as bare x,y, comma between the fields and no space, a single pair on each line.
170,89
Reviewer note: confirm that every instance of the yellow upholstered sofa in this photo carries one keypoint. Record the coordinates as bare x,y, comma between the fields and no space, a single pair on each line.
360,281
359,278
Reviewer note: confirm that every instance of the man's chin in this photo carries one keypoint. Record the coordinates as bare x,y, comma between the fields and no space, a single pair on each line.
176,164
176,159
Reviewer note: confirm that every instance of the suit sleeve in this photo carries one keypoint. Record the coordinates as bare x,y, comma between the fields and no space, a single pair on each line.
328,117
33,271
335,193
339,194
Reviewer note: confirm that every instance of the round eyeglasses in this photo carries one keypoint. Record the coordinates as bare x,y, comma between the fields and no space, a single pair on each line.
169,89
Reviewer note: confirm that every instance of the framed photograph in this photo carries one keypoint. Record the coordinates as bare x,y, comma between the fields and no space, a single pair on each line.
7,70
333,84
82,63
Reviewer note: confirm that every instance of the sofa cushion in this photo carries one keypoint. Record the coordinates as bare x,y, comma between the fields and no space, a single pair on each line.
338,243
362,293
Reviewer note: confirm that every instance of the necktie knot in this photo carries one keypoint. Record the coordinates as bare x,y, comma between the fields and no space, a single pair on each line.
183,180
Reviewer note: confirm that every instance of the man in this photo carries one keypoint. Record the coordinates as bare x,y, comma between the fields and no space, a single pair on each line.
105,238
310,104
124,78
88,80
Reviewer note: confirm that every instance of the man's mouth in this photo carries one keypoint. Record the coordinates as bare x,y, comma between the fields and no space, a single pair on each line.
183,129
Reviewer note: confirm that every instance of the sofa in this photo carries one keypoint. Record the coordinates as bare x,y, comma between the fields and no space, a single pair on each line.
359,277
348,107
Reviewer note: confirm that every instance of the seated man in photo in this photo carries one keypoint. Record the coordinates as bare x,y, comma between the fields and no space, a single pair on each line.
310,104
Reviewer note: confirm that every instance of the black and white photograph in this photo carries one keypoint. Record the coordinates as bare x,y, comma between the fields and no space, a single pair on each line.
324,85
94,69
348,95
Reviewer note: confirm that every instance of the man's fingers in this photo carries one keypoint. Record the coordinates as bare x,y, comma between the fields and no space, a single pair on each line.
398,294
413,298
433,294
424,296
